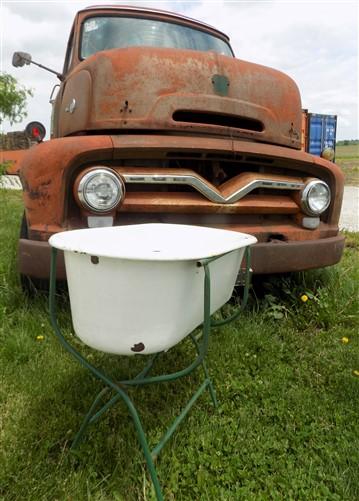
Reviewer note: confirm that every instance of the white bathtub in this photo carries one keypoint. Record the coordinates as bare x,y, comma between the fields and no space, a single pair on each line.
138,289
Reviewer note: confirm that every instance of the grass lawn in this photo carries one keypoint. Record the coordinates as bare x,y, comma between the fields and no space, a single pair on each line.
286,379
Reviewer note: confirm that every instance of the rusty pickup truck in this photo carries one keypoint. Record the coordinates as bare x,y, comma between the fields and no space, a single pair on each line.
155,120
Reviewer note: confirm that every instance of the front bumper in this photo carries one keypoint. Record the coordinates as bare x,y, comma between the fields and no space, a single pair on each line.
269,257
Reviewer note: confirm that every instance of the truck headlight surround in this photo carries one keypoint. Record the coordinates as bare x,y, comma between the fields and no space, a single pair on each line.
100,190
315,197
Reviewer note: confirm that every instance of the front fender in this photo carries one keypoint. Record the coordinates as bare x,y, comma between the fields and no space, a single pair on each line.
44,172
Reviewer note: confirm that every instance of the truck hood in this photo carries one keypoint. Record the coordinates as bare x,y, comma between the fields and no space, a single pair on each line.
158,89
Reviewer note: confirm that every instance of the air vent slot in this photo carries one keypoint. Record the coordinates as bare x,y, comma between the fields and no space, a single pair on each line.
200,117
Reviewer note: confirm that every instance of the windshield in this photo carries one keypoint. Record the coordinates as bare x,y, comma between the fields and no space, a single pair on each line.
102,33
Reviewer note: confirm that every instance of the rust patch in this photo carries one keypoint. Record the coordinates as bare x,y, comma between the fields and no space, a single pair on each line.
138,347
45,184
95,259
34,194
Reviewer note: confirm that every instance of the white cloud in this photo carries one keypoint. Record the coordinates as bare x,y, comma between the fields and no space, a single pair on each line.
315,42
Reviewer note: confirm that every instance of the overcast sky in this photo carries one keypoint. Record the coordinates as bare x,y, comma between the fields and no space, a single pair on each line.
315,42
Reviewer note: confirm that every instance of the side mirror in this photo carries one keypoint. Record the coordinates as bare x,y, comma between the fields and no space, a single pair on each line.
20,59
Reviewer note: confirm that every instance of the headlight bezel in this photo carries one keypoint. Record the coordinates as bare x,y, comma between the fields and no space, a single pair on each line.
305,198
84,181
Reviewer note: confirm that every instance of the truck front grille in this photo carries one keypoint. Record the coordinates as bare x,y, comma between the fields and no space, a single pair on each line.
180,181
228,192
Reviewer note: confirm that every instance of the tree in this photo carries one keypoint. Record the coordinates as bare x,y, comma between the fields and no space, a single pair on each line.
13,99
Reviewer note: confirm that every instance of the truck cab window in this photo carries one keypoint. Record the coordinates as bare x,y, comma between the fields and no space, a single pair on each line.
103,33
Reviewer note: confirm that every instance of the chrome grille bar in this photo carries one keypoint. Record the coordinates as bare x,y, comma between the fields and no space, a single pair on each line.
208,190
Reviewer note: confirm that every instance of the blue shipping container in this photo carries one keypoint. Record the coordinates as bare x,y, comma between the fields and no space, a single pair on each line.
322,131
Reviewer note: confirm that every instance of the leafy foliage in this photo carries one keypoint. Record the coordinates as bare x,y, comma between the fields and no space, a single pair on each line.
3,167
347,142
13,99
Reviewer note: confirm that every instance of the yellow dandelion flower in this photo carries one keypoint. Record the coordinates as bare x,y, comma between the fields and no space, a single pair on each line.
40,338
345,340
304,298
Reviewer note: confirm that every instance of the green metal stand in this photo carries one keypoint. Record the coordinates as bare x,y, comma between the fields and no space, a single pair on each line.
118,389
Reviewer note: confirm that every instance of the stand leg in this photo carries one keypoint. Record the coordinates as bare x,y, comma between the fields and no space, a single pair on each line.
90,417
212,391
87,419
170,431
93,417
231,318
144,444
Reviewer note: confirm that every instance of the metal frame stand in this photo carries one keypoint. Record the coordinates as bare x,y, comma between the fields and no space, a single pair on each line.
118,389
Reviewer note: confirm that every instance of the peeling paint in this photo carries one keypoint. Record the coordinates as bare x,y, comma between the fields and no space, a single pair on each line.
138,347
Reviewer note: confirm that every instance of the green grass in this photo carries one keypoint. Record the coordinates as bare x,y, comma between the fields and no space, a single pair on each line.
347,157
286,426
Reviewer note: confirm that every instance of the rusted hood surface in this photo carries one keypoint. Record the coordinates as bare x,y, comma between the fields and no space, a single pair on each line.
182,90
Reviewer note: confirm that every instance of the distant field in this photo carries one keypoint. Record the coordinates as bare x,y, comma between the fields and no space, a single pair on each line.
350,151
347,157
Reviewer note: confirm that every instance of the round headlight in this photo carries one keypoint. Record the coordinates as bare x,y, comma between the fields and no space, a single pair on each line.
315,197
100,190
